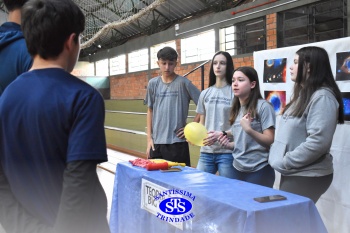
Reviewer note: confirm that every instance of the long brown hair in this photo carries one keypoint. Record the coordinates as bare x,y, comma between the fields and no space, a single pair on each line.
253,98
320,75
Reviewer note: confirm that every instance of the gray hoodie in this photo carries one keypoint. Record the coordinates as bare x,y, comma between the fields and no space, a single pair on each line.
302,145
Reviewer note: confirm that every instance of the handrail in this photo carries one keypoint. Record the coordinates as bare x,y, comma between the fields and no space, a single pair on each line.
196,68
202,72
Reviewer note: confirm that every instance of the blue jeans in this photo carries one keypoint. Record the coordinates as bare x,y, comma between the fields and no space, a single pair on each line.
265,176
209,162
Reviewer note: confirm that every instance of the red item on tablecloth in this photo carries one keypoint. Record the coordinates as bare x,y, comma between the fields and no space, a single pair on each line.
140,162
149,165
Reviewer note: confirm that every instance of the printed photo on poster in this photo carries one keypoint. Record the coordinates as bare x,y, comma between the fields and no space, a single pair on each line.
346,102
275,70
277,99
343,66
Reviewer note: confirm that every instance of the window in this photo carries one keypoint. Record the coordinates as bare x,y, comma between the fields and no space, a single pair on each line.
102,68
245,37
316,22
251,36
138,60
198,48
117,65
156,48
228,40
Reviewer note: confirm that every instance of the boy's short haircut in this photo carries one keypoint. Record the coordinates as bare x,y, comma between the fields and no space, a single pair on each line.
14,4
47,24
167,53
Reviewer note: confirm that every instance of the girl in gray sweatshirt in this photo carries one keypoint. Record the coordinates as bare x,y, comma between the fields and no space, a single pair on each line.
301,150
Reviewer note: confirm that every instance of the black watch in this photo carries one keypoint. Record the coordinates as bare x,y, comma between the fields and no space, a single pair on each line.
224,133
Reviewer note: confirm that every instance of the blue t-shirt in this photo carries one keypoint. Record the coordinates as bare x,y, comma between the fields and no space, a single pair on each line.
48,119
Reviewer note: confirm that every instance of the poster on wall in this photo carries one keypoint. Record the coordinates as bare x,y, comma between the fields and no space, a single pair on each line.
343,66
275,70
277,99
278,61
346,102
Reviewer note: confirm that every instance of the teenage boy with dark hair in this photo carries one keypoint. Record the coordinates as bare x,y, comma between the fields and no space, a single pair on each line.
14,55
52,132
168,98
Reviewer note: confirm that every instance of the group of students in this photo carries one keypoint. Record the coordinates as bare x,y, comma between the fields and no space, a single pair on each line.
52,124
241,141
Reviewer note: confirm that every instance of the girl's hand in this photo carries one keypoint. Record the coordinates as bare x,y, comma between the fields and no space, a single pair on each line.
212,137
223,141
245,122
150,146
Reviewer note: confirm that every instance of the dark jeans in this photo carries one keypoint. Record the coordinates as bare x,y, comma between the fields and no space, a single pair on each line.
264,176
311,187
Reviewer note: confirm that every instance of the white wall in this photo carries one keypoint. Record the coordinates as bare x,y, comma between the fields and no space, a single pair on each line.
84,69
334,205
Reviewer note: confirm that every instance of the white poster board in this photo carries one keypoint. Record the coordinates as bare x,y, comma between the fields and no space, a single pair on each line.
149,191
334,205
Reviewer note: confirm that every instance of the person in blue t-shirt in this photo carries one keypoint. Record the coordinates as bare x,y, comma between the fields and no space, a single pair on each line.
14,55
52,132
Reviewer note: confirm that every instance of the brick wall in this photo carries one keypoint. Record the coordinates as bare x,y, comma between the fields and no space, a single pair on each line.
133,85
129,86
271,31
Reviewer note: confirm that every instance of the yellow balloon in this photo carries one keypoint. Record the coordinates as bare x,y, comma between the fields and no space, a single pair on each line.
195,133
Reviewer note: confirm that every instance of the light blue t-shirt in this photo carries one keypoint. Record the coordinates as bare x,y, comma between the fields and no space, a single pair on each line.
170,104
215,104
248,154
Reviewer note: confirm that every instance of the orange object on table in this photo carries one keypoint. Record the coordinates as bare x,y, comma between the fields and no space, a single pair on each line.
157,166
152,165
149,164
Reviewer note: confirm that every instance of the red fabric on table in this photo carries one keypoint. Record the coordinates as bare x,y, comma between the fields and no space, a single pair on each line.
140,162
149,165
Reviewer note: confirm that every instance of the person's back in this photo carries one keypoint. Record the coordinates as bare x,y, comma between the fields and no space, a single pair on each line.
43,108
52,130
14,55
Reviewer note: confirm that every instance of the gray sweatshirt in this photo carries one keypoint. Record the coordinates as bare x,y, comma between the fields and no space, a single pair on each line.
302,145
